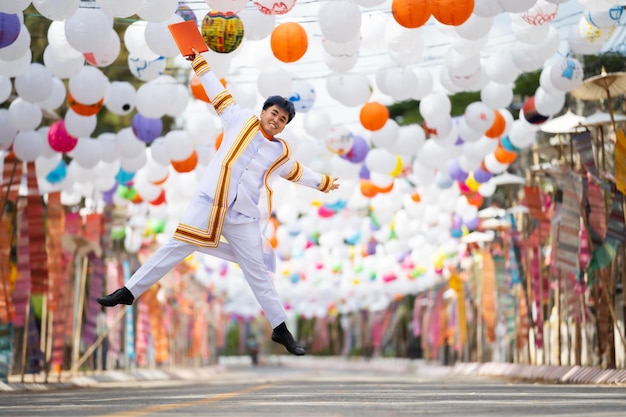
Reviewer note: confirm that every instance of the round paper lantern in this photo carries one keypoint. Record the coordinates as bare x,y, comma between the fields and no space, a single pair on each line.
186,13
452,12
84,109
18,48
88,86
479,117
28,146
120,8
56,10
59,139
531,115
373,115
497,127
339,20
302,96
34,84
107,53
9,29
548,104
521,134
62,67
234,6
541,13
24,115
157,10
145,70
358,151
257,25
186,165
87,29
411,13
339,140
8,132
504,156
221,31
145,128
435,107
120,98
87,152
566,74
5,88
273,7
160,40
317,123
516,6
289,41
79,126
274,81
496,95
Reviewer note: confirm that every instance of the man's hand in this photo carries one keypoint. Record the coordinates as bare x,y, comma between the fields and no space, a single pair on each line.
192,56
335,184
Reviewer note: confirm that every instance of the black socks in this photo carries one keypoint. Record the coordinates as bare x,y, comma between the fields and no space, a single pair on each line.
281,329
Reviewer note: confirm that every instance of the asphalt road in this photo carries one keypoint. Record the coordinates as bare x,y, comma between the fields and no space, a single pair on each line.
277,390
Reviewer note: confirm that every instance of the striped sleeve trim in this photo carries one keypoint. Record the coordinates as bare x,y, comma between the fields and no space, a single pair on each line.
222,100
296,172
326,183
200,66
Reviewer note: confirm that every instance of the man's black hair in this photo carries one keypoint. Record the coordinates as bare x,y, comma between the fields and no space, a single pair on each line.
282,103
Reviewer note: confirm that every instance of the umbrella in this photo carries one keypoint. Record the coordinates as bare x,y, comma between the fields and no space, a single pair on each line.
476,237
507,178
603,86
600,118
491,212
567,123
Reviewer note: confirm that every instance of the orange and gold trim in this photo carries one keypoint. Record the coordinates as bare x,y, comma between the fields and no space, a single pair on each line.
199,65
296,172
284,157
222,100
210,236
326,184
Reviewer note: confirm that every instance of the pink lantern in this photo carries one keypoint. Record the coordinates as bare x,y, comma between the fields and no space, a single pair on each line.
274,6
59,139
541,13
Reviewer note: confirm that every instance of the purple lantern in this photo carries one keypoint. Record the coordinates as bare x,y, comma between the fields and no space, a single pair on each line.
455,171
480,175
9,29
358,152
145,128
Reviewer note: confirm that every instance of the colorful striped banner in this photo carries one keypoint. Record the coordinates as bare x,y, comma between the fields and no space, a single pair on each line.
36,234
21,293
92,308
55,230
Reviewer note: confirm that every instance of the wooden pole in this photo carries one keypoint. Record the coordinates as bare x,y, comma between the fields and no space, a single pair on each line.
79,311
25,341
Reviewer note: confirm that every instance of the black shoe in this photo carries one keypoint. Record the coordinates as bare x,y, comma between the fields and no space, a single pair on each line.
287,341
119,296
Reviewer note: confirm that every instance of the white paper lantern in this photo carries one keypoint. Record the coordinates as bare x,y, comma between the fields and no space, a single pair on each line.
120,8
56,97
256,25
528,33
493,165
87,152
8,131
179,101
380,160
56,9
466,133
13,6
545,82
127,145
581,45
496,95
57,38
548,104
274,81
136,43
373,29
233,6
435,107
34,84
566,74
521,135
317,123
79,126
339,20
146,70
351,90
178,145
108,151
274,7
135,163
87,29
158,151
387,136
24,116
120,98
479,116
152,100
410,140
59,66
88,86
516,6
159,39
500,67
340,64
474,28
18,48
157,10
28,146
5,88
487,8
107,53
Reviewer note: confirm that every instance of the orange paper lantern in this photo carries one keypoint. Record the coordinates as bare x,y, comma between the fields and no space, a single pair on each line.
497,128
373,115
289,41
218,140
368,188
452,12
84,109
197,89
504,156
411,13
186,165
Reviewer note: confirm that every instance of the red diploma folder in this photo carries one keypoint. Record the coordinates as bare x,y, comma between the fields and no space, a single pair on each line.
187,36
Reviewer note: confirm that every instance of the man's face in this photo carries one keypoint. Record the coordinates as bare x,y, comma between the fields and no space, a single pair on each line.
273,120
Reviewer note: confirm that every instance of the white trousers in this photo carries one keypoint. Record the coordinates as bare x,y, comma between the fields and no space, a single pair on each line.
245,248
